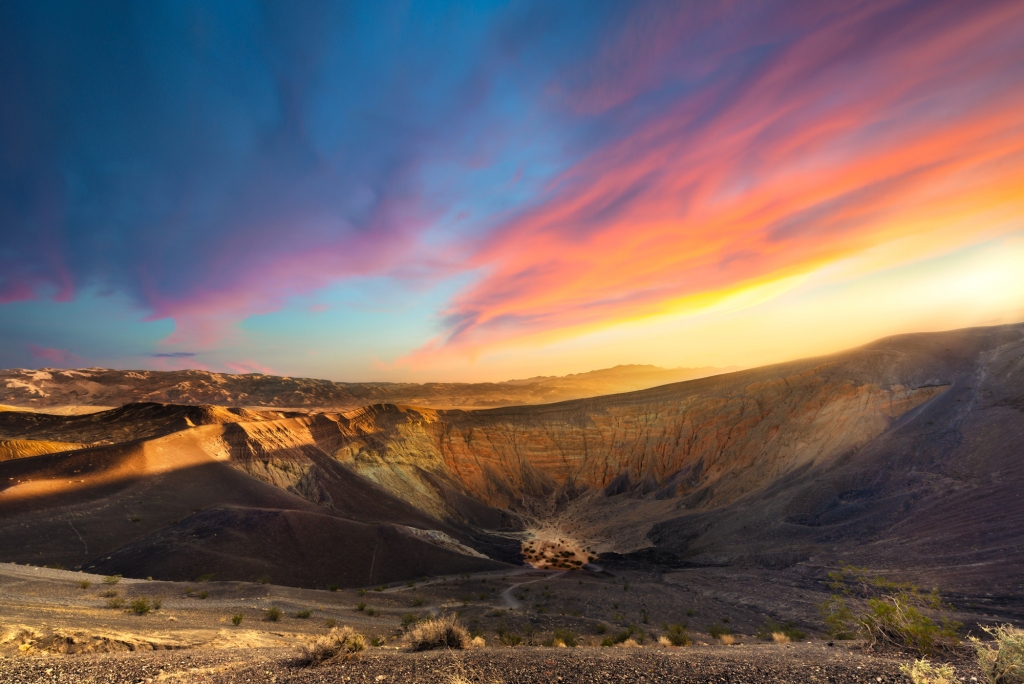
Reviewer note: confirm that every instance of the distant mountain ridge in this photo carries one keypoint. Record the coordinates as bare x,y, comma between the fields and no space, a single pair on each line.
47,388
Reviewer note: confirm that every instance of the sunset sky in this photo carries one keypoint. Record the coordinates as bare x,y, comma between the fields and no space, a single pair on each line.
457,191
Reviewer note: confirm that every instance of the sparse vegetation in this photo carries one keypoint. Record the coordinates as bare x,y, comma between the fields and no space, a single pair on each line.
157,603
237,618
718,631
332,587
509,639
362,592
115,602
85,584
340,642
109,593
676,634
203,594
111,579
303,614
563,637
1003,664
205,577
140,606
771,628
360,606
409,619
600,628
895,615
442,632
923,672
263,579
418,601
631,633
330,623
272,614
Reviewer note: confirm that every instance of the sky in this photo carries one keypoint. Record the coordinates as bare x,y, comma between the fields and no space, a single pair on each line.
484,191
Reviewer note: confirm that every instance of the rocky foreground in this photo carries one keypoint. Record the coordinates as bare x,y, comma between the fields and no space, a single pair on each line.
752,664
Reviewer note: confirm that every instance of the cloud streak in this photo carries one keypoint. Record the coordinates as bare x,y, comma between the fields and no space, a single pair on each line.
884,121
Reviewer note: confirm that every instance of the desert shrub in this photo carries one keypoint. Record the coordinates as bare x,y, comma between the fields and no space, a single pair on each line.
332,587
372,613
566,636
529,630
237,618
923,672
362,592
599,628
205,577
330,623
343,642
203,594
380,588
780,638
718,631
897,612
115,602
631,633
109,593
409,619
676,635
418,601
442,632
303,614
727,639
509,639
157,603
272,614
477,642
770,628
111,579
1003,664
140,606
360,606
376,641
896,621
263,579
85,584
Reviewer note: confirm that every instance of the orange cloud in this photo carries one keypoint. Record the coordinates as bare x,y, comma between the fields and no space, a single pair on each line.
849,138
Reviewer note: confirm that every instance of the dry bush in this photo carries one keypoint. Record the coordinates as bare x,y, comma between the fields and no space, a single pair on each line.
664,641
340,642
628,643
442,632
727,639
923,672
477,642
1003,664
780,638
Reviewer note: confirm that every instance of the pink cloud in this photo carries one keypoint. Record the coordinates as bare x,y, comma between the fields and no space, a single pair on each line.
60,358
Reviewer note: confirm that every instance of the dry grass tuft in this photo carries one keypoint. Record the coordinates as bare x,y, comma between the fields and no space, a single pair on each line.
1003,664
780,638
442,632
628,643
727,639
664,641
923,672
340,642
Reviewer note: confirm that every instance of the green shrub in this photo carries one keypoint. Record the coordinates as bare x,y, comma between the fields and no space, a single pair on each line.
330,623
272,614
896,621
203,594
109,593
115,602
360,606
599,628
772,627
717,631
838,617
409,619
303,614
237,618
510,639
1003,664
418,601
111,579
205,578
362,592
85,584
677,634
140,606
566,636
690,612
632,632
332,587
923,672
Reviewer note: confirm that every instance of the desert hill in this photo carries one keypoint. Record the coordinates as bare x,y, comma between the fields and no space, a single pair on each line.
904,454
48,388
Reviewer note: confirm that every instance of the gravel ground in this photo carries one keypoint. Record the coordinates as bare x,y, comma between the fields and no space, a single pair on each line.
708,665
